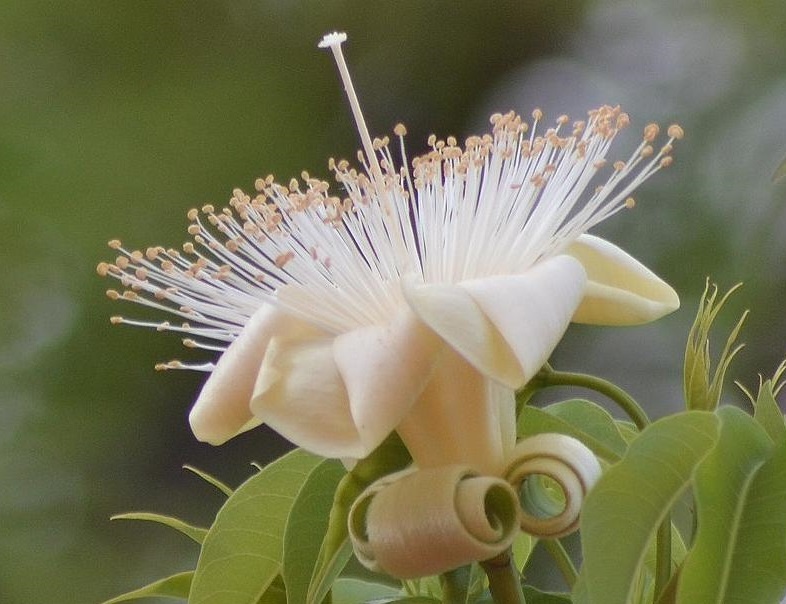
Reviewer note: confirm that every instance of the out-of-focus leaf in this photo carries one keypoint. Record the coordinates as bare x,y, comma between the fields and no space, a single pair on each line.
308,521
581,419
336,550
768,414
176,586
626,506
406,600
535,596
195,533
766,409
739,553
225,489
243,551
780,171
355,591
455,585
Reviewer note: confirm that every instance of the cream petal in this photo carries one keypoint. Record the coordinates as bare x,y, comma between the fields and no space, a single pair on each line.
452,312
532,310
299,393
620,290
461,418
221,411
384,369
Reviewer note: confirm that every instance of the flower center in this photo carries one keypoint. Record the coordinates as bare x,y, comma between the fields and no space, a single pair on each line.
495,206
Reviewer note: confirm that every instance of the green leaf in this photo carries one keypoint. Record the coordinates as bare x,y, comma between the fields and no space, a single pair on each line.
702,387
355,570
336,550
355,591
275,594
581,419
626,506
176,586
243,551
455,584
669,593
535,596
405,600
195,533
522,548
226,490
768,413
308,521
739,553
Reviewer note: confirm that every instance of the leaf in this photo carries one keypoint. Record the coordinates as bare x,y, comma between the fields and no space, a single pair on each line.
623,511
176,586
702,388
455,584
336,550
242,553
275,594
768,413
535,596
405,600
226,490
355,570
522,549
739,553
678,551
196,533
581,419
669,593
355,591
308,521
780,171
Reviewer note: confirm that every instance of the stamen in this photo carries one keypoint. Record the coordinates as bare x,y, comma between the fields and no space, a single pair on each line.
334,41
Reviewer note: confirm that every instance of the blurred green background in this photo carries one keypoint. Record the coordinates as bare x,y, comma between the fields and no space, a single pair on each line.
117,117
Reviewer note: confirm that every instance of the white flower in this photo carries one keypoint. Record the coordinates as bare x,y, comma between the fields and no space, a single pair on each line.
417,302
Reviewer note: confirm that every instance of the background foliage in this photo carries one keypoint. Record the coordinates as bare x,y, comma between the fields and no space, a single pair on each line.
116,117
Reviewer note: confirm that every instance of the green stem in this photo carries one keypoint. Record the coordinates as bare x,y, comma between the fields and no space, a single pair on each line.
563,561
663,556
547,377
504,579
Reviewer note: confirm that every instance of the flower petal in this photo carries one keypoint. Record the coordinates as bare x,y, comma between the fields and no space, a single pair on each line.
621,290
452,312
462,417
221,411
531,311
384,369
300,394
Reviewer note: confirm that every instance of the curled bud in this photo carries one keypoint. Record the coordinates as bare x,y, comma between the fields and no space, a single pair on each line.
562,461
425,522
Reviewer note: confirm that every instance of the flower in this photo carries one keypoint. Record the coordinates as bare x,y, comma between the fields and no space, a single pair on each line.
417,302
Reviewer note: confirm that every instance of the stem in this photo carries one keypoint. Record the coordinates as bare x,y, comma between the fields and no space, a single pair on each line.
563,561
504,579
548,377
663,556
